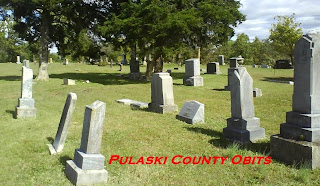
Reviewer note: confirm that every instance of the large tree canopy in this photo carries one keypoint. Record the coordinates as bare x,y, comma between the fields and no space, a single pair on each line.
156,26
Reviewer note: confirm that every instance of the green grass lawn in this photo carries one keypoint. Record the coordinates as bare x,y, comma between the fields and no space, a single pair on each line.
25,159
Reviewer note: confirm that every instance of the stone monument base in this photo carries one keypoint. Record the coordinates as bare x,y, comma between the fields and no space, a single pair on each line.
52,150
193,81
295,152
188,120
162,108
244,130
79,176
25,112
135,76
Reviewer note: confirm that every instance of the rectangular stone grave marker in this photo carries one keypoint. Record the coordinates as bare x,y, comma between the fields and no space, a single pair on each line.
87,168
213,68
192,112
64,124
192,73
18,60
299,138
67,81
25,106
221,59
235,62
257,92
162,100
243,126
26,63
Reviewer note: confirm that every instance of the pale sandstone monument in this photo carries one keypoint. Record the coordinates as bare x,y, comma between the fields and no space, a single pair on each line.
192,73
162,100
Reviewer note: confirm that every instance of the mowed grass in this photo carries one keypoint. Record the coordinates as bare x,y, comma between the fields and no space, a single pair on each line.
25,159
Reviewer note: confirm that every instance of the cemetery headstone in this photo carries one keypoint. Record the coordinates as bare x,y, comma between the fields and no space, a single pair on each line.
50,60
87,167
213,68
18,60
66,62
26,63
254,66
299,138
67,81
169,71
64,124
192,73
243,126
221,59
134,70
124,60
120,65
25,106
265,66
257,92
192,112
162,100
235,62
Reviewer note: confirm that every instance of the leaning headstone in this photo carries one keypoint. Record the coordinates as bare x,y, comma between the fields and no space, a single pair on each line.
26,63
87,167
64,124
162,100
257,92
213,68
243,126
192,73
67,81
221,59
235,62
192,112
124,60
18,60
25,106
299,138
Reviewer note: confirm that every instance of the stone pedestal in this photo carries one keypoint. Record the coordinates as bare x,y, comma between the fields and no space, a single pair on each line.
87,168
162,100
25,106
135,76
243,126
299,138
192,75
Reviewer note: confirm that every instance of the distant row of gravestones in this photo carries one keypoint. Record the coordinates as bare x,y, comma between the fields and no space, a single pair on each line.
297,142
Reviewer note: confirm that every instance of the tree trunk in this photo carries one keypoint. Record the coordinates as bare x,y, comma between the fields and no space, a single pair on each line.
159,65
44,52
150,66
134,64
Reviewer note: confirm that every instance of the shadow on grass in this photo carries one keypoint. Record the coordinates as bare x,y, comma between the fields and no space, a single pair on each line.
219,89
221,142
50,139
12,112
64,159
10,78
101,78
278,79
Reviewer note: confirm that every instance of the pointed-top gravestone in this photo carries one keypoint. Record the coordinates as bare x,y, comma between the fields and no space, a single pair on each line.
243,126
87,168
25,106
299,137
64,124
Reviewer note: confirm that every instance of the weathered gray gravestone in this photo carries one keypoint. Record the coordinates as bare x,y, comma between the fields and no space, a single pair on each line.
192,73
192,112
213,68
64,124
67,81
221,59
235,62
299,138
25,106
243,126
87,168
26,63
134,70
162,100
257,92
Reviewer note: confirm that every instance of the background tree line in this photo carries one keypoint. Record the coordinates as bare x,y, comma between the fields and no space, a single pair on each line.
162,31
